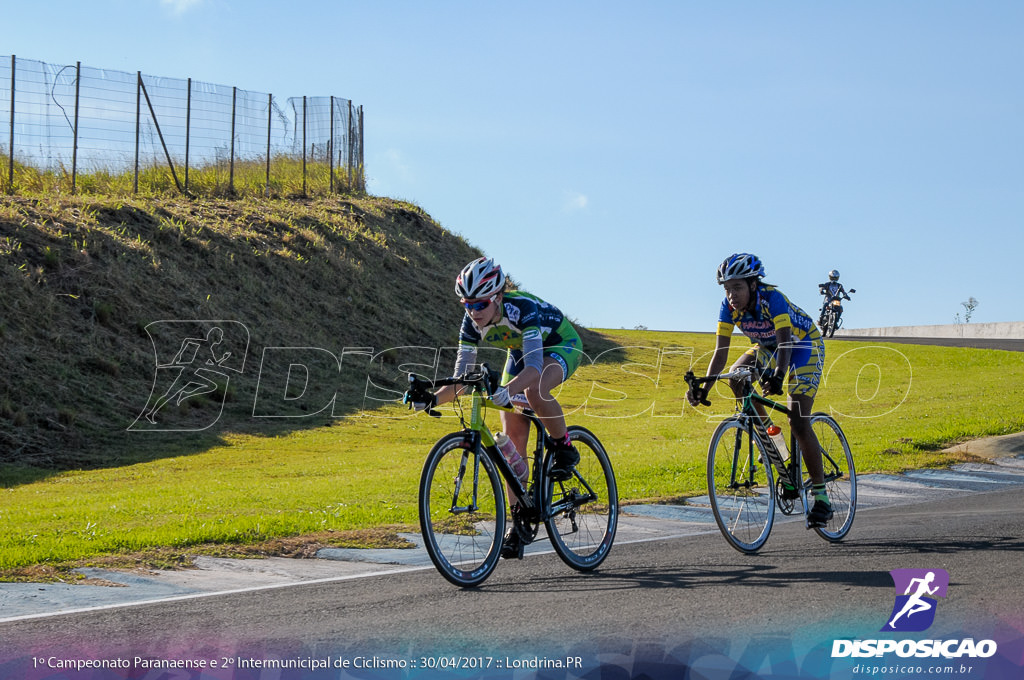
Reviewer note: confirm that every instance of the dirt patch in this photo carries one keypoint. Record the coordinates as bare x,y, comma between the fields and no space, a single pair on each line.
988,448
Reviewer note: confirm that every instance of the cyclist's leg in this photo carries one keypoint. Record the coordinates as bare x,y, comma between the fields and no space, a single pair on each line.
753,357
748,358
806,363
516,426
543,404
807,360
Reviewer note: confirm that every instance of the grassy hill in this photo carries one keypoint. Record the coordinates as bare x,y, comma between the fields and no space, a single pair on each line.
97,292
90,286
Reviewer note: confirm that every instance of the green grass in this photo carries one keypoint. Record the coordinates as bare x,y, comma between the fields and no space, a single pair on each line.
899,405
212,180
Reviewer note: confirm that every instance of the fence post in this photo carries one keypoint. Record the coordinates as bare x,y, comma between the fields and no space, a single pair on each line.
330,149
231,162
138,125
188,128
10,154
303,145
362,159
74,146
160,135
351,148
270,111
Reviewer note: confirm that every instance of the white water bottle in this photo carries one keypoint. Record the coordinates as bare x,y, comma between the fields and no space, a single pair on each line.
775,432
515,461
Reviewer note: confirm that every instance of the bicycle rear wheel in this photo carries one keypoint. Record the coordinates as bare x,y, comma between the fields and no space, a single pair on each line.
840,476
741,486
581,513
462,510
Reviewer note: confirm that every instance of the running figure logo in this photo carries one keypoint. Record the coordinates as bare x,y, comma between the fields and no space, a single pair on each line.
205,353
914,609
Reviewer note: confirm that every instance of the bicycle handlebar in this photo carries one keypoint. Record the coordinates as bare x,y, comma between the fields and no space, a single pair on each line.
484,379
740,373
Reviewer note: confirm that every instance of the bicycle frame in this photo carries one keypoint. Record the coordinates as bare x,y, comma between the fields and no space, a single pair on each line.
737,485
483,437
528,497
463,476
756,426
789,472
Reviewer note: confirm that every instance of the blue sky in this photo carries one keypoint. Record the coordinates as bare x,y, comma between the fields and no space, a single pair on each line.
611,154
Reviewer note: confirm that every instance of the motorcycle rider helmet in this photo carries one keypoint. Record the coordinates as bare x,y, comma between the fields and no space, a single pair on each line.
481,278
833,275
740,266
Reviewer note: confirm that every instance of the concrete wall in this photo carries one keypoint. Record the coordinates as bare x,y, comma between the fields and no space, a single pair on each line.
1007,329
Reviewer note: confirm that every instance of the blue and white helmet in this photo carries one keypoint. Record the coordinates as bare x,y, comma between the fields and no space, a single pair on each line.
481,278
740,266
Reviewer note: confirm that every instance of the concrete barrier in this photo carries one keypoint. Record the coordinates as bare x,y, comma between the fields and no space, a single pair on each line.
1010,330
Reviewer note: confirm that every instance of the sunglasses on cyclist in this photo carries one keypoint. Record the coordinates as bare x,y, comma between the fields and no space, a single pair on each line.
477,305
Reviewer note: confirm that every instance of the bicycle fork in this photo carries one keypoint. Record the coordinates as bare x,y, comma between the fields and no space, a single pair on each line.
460,479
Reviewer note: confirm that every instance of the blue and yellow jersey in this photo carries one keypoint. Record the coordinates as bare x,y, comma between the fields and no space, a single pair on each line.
772,311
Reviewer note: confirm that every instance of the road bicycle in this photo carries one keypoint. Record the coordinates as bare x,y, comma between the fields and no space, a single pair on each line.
462,501
749,477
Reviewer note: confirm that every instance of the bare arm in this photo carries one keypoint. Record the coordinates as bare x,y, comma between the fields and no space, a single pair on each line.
720,355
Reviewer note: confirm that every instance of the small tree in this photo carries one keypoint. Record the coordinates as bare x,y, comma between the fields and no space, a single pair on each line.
969,308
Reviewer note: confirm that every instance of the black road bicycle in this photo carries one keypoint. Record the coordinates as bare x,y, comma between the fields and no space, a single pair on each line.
462,505
748,477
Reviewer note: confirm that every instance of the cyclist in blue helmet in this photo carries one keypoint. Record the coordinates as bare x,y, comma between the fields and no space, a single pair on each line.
787,343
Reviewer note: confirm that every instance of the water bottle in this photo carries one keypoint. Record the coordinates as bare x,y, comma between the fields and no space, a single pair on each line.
515,461
775,432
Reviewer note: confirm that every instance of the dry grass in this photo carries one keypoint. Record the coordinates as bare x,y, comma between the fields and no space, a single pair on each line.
172,559
84,276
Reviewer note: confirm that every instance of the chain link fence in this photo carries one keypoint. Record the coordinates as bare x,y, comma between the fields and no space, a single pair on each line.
74,128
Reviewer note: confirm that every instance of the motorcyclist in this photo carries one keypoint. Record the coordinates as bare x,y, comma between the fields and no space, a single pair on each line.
832,290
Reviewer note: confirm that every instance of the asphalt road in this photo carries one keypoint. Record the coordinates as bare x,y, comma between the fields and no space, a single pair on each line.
653,596
653,607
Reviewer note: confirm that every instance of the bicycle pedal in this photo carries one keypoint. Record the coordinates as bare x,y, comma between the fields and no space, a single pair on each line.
513,550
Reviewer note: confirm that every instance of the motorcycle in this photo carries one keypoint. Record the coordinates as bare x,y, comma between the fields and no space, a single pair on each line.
831,316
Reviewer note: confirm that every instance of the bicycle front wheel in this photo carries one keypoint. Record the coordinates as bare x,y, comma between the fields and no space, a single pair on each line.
462,510
741,486
582,512
840,476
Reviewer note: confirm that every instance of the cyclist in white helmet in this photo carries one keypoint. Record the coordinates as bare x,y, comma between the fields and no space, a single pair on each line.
543,351
787,342
832,290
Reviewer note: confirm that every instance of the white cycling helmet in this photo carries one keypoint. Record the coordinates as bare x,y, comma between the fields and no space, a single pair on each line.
480,278
740,266
833,275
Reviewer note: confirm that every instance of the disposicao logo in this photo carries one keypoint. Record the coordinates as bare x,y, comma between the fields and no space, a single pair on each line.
916,590
192,359
914,611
